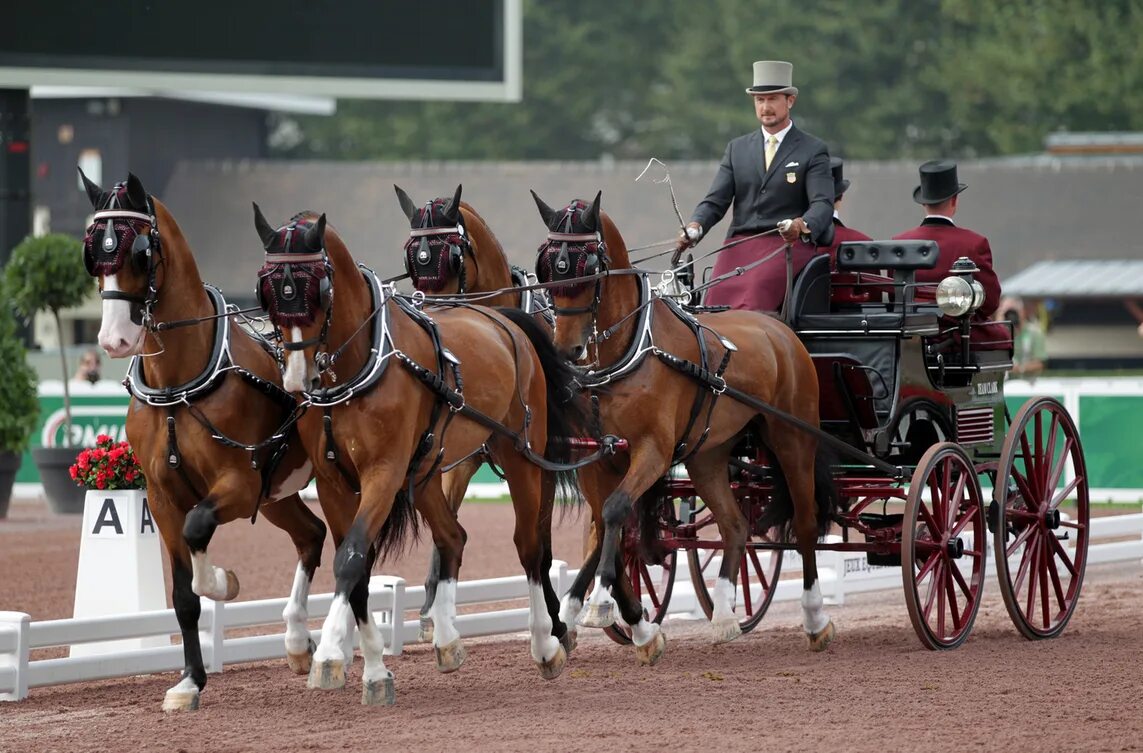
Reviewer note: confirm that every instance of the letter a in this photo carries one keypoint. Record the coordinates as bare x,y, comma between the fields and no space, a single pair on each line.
108,516
146,522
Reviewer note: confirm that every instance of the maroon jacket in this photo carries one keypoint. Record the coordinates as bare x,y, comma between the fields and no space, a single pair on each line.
955,242
843,234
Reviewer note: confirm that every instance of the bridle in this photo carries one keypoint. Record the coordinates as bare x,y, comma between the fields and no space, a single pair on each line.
568,256
425,252
278,273
146,254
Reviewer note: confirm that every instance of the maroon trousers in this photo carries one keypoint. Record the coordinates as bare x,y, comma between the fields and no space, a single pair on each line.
763,287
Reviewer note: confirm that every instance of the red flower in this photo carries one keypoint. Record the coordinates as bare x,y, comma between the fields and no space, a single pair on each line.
102,438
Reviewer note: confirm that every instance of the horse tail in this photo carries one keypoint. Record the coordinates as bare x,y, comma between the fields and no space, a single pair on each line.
779,513
401,528
569,412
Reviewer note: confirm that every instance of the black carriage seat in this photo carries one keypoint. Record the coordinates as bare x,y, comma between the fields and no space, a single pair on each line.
814,307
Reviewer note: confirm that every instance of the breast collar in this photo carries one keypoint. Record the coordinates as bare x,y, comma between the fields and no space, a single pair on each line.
642,344
202,384
380,350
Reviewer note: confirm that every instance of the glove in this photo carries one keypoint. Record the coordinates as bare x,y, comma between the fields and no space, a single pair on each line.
792,230
688,237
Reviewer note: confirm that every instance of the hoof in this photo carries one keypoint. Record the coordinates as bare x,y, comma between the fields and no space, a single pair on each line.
554,667
598,615
180,700
725,630
378,693
231,586
426,633
569,641
819,641
450,657
327,675
300,663
649,654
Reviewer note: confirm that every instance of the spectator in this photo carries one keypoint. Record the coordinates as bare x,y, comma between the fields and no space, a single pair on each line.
89,366
1030,349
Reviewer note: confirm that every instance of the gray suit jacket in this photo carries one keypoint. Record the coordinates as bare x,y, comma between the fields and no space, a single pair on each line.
798,184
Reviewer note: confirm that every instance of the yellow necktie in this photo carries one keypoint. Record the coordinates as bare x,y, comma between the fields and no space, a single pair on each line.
771,147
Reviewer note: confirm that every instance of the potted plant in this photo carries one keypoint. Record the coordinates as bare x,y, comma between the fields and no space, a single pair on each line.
46,273
109,466
19,406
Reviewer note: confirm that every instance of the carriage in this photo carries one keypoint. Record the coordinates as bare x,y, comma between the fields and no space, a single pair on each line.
912,403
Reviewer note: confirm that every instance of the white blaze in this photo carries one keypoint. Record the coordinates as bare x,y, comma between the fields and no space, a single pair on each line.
118,335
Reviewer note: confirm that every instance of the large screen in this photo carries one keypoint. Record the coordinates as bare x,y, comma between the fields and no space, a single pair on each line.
389,49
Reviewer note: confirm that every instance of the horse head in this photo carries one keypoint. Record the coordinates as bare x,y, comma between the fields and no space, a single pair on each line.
438,243
121,249
295,289
573,256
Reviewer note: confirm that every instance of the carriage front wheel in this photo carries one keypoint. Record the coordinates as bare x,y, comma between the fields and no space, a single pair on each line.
1041,550
943,540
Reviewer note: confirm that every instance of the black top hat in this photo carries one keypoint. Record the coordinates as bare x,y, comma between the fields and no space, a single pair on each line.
840,184
938,182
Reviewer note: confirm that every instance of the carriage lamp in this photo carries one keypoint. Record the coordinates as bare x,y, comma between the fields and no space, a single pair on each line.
959,293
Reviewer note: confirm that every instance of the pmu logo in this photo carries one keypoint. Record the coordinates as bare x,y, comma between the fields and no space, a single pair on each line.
88,422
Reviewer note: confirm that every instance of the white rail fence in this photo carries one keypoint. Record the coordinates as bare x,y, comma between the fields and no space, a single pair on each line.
841,574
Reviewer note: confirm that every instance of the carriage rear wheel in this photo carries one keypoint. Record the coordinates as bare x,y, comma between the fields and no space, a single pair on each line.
757,580
652,584
943,540
1041,552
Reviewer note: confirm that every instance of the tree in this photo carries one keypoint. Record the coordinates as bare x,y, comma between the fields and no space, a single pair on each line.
19,406
47,274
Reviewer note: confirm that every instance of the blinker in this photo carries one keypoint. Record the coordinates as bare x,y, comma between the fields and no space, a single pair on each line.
110,242
289,287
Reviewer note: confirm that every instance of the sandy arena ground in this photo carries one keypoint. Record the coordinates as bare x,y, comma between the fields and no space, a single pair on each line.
875,689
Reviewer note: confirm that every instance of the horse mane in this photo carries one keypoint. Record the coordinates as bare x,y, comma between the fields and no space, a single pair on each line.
616,247
473,220
172,237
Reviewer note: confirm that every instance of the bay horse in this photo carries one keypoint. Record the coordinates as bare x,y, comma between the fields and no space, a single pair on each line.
385,388
208,419
638,349
451,250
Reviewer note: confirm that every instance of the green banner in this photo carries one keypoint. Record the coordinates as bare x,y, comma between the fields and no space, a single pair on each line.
99,409
1109,430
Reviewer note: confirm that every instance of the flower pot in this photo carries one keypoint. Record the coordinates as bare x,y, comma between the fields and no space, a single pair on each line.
9,464
64,497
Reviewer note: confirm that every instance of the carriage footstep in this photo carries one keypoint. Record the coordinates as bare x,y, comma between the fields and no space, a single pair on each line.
554,667
598,615
378,692
648,655
725,630
426,633
820,640
450,657
327,675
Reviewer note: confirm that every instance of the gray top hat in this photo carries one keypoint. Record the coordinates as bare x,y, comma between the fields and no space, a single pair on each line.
773,77
938,182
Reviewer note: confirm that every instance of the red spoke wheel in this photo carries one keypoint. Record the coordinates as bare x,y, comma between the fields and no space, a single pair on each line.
1041,553
651,584
759,570
943,538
